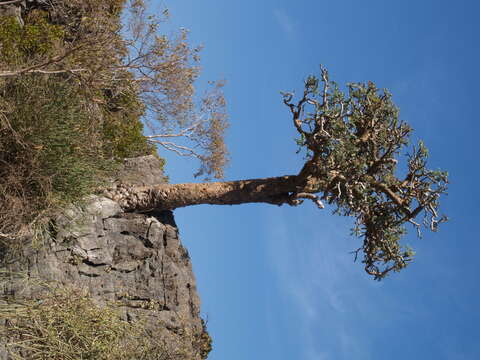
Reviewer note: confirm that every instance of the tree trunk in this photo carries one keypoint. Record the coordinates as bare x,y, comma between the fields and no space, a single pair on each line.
275,190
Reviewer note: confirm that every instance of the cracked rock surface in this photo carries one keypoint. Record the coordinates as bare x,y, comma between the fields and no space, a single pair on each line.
133,260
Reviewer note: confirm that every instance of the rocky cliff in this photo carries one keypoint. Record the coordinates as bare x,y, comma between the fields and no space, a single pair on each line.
133,263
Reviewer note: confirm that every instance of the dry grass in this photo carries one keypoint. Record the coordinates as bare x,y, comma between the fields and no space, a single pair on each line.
65,324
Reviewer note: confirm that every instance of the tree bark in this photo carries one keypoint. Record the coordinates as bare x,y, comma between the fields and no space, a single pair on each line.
275,190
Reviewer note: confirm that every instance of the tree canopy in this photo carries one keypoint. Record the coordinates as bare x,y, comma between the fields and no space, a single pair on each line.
353,142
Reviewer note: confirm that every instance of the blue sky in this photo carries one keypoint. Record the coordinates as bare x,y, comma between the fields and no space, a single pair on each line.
280,283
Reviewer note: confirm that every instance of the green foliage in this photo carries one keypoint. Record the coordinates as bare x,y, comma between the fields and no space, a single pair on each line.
54,128
21,43
56,146
125,138
122,130
62,135
352,142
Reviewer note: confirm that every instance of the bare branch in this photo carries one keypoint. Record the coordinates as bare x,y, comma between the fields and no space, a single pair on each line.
178,149
11,2
38,68
324,74
187,132
38,71
316,200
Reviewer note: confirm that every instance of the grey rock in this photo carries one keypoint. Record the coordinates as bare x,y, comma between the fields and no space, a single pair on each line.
144,170
135,260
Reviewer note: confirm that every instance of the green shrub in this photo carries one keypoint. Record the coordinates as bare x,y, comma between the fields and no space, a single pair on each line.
54,126
122,131
61,136
57,145
20,43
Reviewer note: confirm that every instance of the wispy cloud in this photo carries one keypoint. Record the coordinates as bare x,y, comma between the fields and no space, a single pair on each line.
316,273
285,21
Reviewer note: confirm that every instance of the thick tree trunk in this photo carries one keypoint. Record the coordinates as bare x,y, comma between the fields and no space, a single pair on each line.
276,190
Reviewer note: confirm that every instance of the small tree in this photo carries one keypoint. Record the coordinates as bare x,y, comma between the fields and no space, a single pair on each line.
352,142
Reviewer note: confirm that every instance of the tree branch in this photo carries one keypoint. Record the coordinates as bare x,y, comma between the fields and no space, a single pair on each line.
37,68
11,2
39,71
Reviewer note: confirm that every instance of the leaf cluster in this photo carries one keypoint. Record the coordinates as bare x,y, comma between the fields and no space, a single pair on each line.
353,142
37,38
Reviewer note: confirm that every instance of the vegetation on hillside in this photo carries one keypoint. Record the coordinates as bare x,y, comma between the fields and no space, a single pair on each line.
76,90
66,324
81,84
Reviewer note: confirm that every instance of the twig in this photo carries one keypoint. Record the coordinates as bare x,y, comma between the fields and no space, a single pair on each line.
11,2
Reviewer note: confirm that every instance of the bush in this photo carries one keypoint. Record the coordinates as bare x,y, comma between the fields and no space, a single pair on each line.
19,44
122,131
65,324
60,137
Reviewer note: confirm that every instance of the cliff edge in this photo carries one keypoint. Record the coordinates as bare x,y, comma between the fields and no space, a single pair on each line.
131,263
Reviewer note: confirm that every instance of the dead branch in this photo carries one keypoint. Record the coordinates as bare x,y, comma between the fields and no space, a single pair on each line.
11,2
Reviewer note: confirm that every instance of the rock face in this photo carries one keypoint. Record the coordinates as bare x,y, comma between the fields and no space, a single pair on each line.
134,260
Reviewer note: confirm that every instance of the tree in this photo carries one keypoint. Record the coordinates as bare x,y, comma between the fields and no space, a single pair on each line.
115,78
352,142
